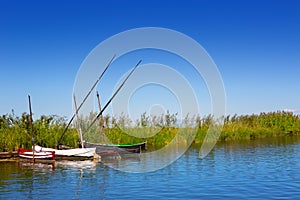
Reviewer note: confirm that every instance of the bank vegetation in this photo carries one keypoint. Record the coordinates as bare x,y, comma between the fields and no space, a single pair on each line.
158,131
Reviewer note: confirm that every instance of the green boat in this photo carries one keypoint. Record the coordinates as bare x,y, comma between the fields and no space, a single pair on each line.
120,149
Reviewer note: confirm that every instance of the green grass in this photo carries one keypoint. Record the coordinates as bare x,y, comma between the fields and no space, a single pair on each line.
15,131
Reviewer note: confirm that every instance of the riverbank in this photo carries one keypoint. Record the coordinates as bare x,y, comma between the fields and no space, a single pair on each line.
158,132
13,156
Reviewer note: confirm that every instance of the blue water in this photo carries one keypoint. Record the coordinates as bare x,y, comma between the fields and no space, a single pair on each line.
260,169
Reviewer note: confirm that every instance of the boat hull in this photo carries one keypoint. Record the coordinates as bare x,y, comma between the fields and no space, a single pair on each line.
29,155
70,154
117,149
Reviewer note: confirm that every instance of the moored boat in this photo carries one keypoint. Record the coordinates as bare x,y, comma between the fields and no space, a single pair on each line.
121,149
34,156
70,154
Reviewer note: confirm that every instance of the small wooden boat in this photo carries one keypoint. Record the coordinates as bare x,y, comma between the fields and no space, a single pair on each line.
34,156
70,154
120,149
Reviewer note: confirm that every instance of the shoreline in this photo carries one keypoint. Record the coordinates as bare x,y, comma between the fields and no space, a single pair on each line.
9,156
13,156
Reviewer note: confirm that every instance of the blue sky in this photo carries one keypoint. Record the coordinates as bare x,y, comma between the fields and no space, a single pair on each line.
255,44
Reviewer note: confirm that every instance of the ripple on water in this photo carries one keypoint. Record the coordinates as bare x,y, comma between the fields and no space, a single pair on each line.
266,169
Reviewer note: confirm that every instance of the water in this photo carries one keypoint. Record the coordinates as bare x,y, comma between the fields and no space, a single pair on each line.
260,169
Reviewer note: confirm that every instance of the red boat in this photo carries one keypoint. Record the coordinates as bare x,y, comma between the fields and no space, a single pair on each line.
36,156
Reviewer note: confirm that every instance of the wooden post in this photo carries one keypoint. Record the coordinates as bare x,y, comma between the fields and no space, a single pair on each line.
101,119
31,124
78,122
53,155
101,116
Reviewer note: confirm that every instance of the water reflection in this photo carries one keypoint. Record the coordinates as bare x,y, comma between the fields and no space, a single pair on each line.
37,165
149,161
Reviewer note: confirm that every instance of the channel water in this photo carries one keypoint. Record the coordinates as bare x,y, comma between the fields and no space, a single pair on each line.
255,169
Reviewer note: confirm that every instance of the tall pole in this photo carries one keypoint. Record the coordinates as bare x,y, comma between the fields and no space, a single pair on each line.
78,122
101,120
31,125
101,116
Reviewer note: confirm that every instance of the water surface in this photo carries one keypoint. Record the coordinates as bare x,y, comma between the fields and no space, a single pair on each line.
260,169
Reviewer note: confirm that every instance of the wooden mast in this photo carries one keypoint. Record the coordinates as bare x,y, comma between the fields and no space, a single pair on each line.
109,101
101,120
85,98
101,117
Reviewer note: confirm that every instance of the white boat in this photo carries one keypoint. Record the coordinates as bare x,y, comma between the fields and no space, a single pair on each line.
34,156
69,154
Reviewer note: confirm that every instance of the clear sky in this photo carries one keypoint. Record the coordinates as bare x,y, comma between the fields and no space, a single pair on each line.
255,44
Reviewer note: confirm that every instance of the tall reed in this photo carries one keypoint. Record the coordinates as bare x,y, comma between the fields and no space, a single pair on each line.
15,132
158,131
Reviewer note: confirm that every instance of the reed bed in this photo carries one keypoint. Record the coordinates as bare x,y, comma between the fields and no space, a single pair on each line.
16,132
158,131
